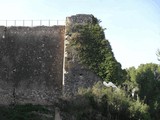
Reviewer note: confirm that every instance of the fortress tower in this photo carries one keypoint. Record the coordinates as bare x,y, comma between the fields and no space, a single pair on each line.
76,75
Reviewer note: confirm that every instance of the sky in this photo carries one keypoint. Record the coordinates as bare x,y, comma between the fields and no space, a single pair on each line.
132,26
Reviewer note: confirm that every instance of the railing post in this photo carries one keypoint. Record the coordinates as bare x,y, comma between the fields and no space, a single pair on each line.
40,22
14,22
57,22
6,23
49,22
32,23
23,23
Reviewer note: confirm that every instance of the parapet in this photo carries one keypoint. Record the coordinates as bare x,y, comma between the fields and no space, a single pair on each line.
79,19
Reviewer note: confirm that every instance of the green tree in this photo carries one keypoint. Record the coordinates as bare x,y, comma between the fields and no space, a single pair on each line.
147,78
115,105
131,74
130,85
158,54
149,86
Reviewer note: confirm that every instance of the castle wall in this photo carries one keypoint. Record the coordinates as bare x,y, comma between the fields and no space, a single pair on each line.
31,62
76,75
37,64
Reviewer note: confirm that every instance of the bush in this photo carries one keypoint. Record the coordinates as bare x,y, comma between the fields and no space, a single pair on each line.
101,103
23,112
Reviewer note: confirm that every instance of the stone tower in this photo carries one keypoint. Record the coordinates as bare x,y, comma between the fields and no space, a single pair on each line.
76,75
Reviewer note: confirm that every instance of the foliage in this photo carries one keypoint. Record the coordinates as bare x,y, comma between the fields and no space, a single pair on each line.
95,51
148,74
130,83
122,106
131,74
147,79
102,103
139,110
23,112
158,54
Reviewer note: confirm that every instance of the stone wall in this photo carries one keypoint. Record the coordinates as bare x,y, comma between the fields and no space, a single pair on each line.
76,75
37,64
31,62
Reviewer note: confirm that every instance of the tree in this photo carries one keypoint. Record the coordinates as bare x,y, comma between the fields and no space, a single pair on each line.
149,86
158,54
130,85
115,105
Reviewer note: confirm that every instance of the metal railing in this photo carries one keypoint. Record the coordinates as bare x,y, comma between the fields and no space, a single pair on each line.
31,23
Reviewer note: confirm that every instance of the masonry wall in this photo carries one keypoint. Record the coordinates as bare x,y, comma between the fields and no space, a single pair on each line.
38,64
76,75
31,62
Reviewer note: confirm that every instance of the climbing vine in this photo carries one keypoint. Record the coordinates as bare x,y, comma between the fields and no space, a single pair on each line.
96,52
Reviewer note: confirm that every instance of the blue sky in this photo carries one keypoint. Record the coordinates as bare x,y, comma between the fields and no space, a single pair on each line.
133,26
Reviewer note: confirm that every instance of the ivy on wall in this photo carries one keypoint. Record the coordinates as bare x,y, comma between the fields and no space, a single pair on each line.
96,52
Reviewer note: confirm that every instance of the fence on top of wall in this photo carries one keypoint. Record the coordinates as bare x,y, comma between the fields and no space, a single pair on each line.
31,23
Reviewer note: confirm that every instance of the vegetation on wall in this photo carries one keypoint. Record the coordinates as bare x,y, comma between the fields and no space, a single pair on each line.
98,102
105,103
139,94
95,51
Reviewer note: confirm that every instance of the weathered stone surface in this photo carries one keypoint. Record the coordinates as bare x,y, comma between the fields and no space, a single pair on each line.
36,64
76,75
31,62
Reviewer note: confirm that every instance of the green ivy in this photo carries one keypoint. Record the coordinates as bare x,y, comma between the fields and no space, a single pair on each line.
96,52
